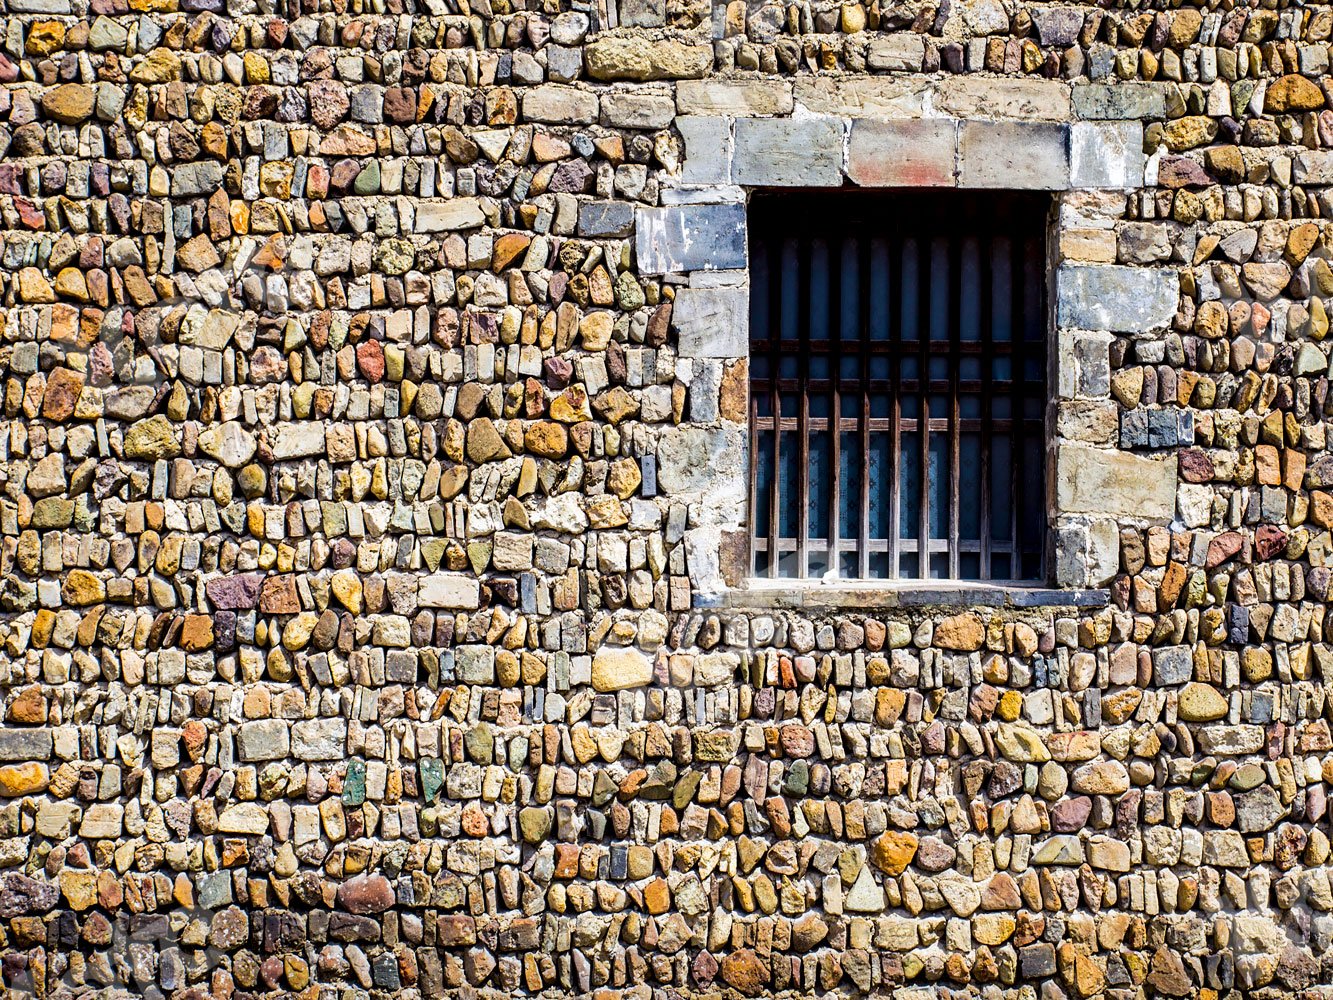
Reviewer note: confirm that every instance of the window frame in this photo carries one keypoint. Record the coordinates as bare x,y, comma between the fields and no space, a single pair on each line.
913,590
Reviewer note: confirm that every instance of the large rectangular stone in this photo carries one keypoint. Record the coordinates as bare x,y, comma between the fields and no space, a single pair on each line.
712,322
863,96
447,216
708,149
918,153
605,218
319,739
738,97
1115,298
1106,155
299,439
785,152
1122,100
1114,483
648,111
1314,167
25,744
263,739
448,590
902,52
1023,156
1029,100
690,238
559,104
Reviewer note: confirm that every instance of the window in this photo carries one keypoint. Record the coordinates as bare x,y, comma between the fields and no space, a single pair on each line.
898,386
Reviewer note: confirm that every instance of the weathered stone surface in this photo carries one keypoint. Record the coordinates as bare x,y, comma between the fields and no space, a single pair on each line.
903,153
712,322
618,669
1021,155
776,152
1118,299
1115,483
690,238
628,58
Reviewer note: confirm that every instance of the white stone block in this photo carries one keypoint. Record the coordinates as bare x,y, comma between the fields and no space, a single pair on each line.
712,322
1106,155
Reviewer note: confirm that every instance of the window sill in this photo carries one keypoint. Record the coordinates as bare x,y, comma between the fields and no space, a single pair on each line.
873,595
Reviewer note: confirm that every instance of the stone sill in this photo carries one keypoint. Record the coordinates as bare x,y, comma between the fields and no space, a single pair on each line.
874,595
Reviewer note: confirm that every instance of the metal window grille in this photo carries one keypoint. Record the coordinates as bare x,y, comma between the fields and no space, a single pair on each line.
898,386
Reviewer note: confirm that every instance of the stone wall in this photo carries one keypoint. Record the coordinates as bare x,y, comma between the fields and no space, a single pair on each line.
373,528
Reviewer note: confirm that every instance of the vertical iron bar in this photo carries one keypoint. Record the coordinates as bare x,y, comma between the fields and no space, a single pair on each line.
864,252
833,320
1017,373
803,420
895,280
924,255
773,253
955,278
986,321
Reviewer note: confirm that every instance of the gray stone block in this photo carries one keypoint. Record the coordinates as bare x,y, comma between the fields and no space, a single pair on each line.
25,744
1121,100
1058,27
712,322
1106,155
647,111
1313,167
772,152
708,149
1024,156
606,218
918,153
1115,298
690,238
557,103
642,13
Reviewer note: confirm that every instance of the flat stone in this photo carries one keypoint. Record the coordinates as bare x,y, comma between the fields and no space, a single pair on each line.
1114,483
634,58
734,97
1027,156
712,322
785,152
617,669
1115,298
690,238
903,153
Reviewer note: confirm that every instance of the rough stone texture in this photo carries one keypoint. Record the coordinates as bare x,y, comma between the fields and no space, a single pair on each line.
374,491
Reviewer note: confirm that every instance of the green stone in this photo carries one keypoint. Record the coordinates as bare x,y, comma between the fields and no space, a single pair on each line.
368,181
432,778
354,785
685,789
798,778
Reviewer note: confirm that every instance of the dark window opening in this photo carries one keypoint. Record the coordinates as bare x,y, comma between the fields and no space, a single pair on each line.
898,386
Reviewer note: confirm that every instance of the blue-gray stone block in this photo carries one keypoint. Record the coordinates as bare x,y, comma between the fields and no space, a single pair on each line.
690,238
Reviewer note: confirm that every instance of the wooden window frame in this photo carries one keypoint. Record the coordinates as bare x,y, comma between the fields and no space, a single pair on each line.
873,216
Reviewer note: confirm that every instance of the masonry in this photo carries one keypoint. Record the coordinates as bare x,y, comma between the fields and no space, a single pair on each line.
376,613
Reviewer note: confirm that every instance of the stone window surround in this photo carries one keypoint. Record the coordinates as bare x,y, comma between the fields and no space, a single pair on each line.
698,239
